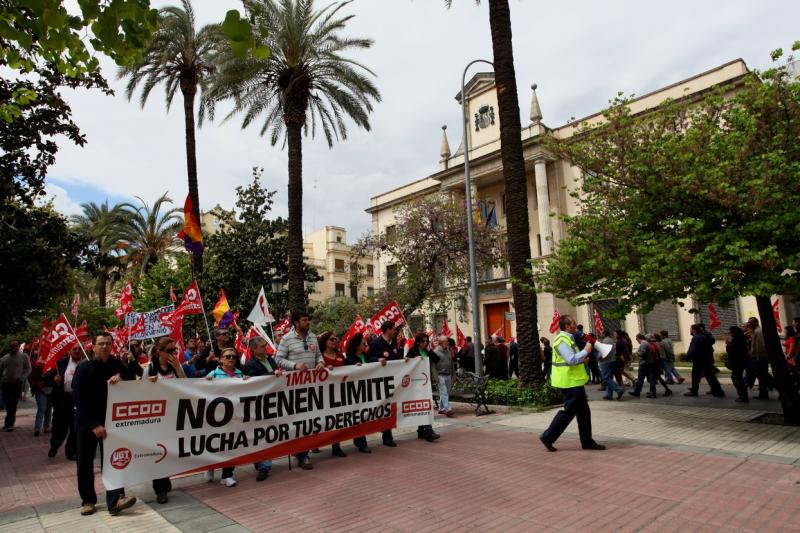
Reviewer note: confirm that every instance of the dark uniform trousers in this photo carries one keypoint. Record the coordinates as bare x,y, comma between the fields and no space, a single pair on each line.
575,405
87,449
63,424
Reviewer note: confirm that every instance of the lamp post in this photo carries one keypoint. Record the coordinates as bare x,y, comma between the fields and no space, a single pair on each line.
473,273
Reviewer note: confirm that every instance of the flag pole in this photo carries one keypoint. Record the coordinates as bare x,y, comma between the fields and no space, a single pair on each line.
203,307
79,341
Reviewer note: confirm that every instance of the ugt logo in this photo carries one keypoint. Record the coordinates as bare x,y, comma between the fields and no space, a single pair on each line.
120,458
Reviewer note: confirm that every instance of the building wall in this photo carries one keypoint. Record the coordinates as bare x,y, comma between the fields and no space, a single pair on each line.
322,249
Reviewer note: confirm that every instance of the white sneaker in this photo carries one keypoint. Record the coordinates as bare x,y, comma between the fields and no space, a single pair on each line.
209,475
228,482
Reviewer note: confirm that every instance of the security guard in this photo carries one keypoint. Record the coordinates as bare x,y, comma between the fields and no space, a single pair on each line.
569,374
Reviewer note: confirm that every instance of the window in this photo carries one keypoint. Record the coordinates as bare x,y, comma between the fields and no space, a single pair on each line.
370,291
338,238
727,313
416,323
391,272
391,233
370,271
539,242
664,316
340,289
338,265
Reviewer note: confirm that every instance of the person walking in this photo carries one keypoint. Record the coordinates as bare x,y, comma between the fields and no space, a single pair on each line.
41,392
261,364
569,375
466,356
384,348
736,348
758,354
671,372
444,371
513,358
332,358
14,370
702,355
421,349
356,354
90,394
60,379
646,360
608,366
164,365
299,350
226,369
624,358
547,357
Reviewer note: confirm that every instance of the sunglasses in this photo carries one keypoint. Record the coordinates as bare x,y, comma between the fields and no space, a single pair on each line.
227,357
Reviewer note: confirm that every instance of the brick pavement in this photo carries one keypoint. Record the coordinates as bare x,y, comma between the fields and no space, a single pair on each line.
712,471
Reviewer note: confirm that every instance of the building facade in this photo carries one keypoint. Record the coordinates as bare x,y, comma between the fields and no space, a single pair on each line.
550,182
326,249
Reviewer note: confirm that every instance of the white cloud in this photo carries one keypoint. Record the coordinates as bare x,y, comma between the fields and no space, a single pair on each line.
61,200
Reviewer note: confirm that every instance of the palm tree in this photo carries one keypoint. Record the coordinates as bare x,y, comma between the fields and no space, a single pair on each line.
305,82
152,232
181,58
104,227
518,242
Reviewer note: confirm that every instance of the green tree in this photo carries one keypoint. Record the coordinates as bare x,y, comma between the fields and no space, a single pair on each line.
516,190
181,58
248,252
305,82
151,232
38,250
429,256
104,228
152,290
696,197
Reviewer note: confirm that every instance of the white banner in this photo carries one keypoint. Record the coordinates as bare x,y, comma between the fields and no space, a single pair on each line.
181,426
152,325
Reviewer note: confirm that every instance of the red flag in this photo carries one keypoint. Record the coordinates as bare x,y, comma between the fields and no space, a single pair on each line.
138,327
191,304
62,339
172,294
554,323
446,329
498,332
776,312
120,336
283,326
356,327
461,341
125,301
242,344
83,332
599,330
714,321
390,312
176,334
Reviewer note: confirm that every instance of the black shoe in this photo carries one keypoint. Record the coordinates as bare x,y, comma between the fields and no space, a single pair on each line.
390,443
650,395
364,449
691,394
637,394
8,430
432,437
305,464
262,475
316,450
548,445
71,457
720,394
667,392
51,453
161,497
742,400
594,446
36,433
760,397
338,452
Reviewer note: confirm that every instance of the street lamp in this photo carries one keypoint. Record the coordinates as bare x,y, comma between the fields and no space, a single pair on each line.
473,272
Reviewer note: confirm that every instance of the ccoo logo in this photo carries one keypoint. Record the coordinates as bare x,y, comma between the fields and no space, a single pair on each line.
120,458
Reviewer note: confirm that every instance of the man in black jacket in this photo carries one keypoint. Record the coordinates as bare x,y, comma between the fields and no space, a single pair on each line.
90,394
385,347
60,378
261,364
701,352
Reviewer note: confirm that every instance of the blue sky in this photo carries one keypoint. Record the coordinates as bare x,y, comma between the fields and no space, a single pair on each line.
579,52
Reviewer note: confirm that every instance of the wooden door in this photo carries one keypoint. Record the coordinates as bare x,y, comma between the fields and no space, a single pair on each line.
495,318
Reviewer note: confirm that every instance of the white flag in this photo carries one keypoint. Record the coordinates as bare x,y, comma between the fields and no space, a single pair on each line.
260,313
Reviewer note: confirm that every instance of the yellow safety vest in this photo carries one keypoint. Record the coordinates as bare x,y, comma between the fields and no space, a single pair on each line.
563,375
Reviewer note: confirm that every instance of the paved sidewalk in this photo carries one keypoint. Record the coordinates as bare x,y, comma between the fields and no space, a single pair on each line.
671,465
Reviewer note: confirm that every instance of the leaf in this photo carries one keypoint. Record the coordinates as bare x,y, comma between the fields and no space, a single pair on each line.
236,29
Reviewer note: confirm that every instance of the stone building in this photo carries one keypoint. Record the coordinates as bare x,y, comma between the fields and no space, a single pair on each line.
327,250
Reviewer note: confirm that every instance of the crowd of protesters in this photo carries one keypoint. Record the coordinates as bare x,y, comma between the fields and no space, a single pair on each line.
71,398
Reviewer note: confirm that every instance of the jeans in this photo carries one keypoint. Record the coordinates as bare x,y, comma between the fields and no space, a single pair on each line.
43,411
264,465
607,370
87,449
645,370
669,370
445,382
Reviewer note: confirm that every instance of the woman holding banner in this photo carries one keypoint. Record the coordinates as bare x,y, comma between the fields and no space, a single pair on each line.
226,369
332,358
164,364
356,354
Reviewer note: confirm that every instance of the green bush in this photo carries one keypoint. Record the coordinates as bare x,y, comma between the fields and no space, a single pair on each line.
508,392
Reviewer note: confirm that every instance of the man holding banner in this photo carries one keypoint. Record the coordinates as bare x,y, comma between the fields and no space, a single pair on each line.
385,347
299,350
90,392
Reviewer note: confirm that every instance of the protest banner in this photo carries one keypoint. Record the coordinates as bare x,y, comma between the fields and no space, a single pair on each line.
153,326
390,312
181,426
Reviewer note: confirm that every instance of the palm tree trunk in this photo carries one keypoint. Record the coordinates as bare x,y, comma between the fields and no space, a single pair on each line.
102,282
297,299
788,393
191,166
519,249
